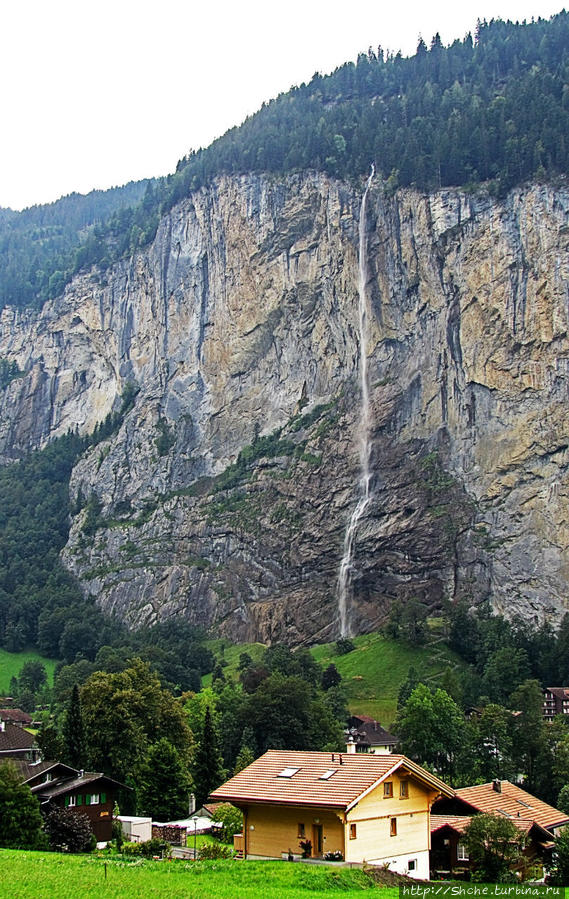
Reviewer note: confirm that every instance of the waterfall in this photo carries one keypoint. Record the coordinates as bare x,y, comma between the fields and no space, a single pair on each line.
344,578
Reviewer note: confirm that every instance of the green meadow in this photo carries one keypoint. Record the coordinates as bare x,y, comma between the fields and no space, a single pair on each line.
11,664
374,671
39,875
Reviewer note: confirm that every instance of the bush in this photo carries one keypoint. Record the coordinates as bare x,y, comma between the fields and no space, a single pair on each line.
68,830
231,821
214,851
335,856
344,645
148,849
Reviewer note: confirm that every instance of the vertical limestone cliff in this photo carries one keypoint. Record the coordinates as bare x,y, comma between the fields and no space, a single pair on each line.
225,494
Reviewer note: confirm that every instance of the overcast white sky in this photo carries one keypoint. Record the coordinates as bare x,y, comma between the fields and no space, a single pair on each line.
99,93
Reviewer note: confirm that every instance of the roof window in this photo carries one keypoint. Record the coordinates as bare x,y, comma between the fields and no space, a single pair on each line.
328,774
288,772
526,804
502,812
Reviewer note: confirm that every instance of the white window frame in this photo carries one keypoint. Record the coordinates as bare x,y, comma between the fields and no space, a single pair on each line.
72,801
462,853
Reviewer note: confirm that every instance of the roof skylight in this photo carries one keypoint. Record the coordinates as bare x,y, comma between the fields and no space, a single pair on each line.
328,774
526,804
505,814
288,772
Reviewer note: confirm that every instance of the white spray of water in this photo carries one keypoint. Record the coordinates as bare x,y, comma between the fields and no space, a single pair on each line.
346,566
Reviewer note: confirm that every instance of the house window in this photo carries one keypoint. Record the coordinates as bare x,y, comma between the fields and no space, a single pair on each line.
404,789
388,790
352,831
393,827
412,864
70,801
301,833
461,852
93,799
288,772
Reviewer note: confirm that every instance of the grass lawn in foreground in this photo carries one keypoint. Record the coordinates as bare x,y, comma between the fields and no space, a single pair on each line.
45,875
11,663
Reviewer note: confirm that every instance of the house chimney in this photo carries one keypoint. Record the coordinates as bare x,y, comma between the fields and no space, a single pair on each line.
497,786
351,746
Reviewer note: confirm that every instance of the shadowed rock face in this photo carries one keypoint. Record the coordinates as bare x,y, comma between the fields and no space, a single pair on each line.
239,325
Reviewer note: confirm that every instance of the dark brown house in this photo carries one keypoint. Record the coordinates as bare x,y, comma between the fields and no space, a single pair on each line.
449,855
16,716
17,744
555,702
367,735
500,797
91,793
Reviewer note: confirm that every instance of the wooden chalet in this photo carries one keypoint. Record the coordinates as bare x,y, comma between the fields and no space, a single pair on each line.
17,743
501,797
91,793
16,716
449,854
362,806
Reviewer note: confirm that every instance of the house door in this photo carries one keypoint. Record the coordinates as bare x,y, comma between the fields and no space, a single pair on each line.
316,840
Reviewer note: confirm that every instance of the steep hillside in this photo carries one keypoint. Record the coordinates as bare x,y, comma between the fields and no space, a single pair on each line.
225,494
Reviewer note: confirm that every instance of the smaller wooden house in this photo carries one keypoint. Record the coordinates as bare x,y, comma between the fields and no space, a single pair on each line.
365,734
449,854
91,793
17,744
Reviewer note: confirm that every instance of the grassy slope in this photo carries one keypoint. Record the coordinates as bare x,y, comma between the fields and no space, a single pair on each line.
37,875
373,672
231,655
11,664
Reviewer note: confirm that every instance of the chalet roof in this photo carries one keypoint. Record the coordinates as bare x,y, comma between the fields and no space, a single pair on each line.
303,778
560,692
14,738
31,771
511,802
459,823
367,728
16,715
61,786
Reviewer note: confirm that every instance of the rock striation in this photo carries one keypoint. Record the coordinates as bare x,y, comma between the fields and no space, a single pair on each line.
225,494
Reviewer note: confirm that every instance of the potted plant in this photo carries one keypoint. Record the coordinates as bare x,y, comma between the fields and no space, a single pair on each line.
306,846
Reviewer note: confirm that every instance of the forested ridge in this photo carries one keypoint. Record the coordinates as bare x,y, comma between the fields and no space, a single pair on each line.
490,109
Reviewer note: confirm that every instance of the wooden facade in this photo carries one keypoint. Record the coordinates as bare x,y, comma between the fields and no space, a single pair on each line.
364,807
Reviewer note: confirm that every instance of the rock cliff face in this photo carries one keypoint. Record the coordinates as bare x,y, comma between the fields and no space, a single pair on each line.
225,494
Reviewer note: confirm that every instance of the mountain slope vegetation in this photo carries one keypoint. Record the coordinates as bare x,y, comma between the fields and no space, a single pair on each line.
492,108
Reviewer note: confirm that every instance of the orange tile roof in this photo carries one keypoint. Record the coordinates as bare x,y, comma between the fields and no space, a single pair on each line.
459,823
512,802
354,776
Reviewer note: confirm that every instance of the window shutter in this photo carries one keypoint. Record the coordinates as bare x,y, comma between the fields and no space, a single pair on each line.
67,802
87,799
103,798
79,800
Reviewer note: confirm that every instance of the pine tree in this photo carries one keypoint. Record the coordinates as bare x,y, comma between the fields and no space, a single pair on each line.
73,732
208,764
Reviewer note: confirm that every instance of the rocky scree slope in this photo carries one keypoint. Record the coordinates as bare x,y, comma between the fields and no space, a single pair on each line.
224,496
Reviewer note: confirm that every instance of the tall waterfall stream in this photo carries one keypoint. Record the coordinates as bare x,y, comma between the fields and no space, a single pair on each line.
346,565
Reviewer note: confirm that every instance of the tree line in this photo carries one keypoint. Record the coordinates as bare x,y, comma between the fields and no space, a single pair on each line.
492,108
